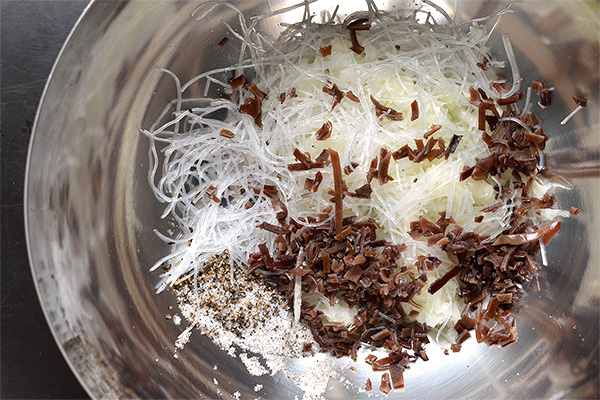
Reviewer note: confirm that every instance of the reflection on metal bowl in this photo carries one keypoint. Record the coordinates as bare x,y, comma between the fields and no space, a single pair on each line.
90,214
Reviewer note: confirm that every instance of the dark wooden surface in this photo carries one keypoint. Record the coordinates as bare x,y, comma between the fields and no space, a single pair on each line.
32,34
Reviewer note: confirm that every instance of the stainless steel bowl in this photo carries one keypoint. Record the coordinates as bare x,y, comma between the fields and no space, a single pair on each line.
90,214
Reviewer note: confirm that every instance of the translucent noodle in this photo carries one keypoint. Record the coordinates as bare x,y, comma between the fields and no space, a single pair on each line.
209,182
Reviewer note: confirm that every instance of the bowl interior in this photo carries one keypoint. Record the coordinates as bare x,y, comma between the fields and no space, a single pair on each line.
90,214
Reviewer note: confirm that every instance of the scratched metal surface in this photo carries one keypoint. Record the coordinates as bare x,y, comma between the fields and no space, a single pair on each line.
32,33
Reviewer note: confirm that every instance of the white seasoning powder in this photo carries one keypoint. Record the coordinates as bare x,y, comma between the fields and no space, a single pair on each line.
247,315
253,365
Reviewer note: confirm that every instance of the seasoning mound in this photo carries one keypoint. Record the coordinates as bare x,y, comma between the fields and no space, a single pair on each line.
246,314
